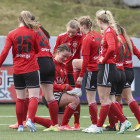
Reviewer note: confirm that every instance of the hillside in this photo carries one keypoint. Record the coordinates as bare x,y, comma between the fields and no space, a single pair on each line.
54,14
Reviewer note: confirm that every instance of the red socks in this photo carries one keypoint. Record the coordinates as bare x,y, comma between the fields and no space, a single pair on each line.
76,73
19,110
67,115
111,119
116,112
93,110
135,109
32,108
53,109
43,121
25,108
103,114
77,114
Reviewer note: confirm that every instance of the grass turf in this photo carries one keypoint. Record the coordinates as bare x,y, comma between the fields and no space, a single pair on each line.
8,116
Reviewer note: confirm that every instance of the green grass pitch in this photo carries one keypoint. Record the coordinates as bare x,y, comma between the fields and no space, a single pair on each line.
8,116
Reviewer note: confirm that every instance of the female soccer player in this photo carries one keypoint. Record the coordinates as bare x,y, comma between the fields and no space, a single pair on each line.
107,70
26,103
118,84
61,85
47,74
73,39
90,47
127,94
25,67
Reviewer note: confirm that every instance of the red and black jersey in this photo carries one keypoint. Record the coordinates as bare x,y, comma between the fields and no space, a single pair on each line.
109,46
60,77
24,44
74,44
120,53
128,56
44,49
90,52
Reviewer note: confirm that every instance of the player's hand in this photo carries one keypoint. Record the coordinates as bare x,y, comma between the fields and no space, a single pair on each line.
66,87
101,59
79,80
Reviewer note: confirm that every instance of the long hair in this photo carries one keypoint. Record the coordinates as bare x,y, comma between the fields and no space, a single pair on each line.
107,17
124,34
25,18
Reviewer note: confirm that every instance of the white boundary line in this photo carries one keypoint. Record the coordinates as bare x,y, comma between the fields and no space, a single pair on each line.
49,116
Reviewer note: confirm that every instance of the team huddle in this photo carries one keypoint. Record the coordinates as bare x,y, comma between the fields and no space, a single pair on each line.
106,62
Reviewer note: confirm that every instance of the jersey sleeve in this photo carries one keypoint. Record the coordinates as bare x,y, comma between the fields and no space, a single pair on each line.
111,46
135,50
6,49
84,65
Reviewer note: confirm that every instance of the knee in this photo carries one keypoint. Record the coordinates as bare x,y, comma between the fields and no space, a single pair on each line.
74,63
104,100
76,100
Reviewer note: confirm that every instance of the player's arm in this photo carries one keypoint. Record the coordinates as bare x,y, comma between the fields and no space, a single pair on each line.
135,50
6,49
111,46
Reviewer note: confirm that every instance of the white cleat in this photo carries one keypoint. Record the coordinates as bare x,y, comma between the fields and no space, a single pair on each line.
75,91
89,129
124,126
97,130
20,128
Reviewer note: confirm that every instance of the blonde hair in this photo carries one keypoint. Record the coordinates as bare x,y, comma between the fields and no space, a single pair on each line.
73,24
122,31
86,20
107,17
26,18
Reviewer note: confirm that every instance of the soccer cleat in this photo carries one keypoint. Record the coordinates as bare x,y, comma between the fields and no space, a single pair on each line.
124,126
53,128
98,130
137,127
90,129
117,127
14,126
20,128
108,128
76,126
30,125
105,125
75,91
65,128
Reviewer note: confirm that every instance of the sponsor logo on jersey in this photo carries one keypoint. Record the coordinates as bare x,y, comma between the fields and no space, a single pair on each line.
128,62
27,56
44,49
119,64
108,30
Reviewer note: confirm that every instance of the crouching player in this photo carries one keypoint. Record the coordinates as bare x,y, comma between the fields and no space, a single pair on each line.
61,85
